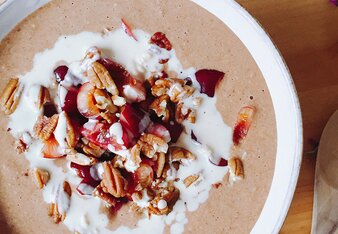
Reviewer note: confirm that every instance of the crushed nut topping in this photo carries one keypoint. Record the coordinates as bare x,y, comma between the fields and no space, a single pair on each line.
104,101
190,180
104,196
41,177
100,77
45,126
113,182
183,113
10,97
151,144
81,159
92,150
178,154
236,168
159,105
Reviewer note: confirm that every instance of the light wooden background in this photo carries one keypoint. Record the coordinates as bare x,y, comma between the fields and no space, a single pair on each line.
306,33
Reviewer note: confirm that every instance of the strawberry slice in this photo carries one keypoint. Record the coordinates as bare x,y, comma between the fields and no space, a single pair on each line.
208,79
126,27
134,120
175,129
86,101
130,88
243,124
159,130
52,149
221,163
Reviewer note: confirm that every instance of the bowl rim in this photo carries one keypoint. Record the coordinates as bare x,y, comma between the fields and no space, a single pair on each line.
289,123
286,106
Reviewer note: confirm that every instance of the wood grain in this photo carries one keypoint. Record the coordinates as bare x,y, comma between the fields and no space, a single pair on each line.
306,33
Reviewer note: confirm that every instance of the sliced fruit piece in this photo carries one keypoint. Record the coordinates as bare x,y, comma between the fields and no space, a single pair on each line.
70,102
84,173
175,129
159,130
244,120
221,163
86,101
130,88
208,79
126,27
134,120
60,73
52,149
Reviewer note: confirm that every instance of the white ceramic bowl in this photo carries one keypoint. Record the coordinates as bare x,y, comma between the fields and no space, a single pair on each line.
279,82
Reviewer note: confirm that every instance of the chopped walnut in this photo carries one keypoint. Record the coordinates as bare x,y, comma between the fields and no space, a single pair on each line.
159,105
45,126
170,195
41,177
113,182
109,117
10,97
190,180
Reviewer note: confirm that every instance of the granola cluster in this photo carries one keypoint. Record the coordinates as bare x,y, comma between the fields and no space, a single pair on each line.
118,133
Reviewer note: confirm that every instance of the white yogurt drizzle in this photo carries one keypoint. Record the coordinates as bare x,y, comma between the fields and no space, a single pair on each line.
141,59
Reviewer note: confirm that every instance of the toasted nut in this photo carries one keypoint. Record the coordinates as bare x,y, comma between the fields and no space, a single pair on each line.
236,168
59,213
182,113
10,97
160,164
103,101
71,137
190,179
107,197
81,159
151,144
112,181
67,188
135,154
159,105
109,117
100,77
41,177
178,153
93,150
118,162
44,97
170,195
45,126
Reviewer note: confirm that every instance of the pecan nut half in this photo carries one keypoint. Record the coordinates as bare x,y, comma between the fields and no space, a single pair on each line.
10,97
100,77
112,181
41,177
45,126
178,154
236,168
190,180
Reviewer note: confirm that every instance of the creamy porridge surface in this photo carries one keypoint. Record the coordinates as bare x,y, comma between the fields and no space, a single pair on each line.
200,41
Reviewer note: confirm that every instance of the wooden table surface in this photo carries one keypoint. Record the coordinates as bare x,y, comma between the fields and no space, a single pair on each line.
306,33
